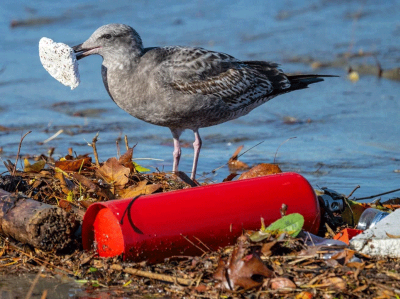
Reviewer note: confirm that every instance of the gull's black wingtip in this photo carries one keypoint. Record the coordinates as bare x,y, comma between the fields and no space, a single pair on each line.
308,79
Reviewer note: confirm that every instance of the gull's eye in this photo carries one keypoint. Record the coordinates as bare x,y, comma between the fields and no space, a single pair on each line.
107,36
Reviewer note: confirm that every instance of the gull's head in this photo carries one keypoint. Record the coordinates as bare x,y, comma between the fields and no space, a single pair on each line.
111,40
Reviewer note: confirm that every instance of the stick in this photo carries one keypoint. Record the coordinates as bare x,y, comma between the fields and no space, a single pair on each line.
19,149
41,225
156,276
198,247
54,136
202,243
351,193
44,295
214,170
126,142
29,294
118,150
93,145
372,196
276,153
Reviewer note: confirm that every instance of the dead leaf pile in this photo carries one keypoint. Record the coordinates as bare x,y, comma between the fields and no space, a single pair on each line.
76,182
263,264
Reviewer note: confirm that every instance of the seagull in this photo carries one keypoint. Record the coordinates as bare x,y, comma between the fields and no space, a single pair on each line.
183,87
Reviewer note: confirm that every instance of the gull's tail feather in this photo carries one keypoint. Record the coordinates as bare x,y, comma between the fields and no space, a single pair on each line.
302,81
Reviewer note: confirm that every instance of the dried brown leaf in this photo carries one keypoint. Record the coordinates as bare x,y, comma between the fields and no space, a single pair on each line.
266,248
92,187
260,170
230,177
344,256
36,167
126,159
237,165
114,173
335,283
65,184
234,163
85,203
361,288
394,275
65,205
73,165
356,265
140,189
201,288
283,284
239,269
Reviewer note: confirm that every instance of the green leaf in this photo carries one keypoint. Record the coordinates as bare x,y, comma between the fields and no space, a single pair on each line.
258,236
93,269
290,224
140,168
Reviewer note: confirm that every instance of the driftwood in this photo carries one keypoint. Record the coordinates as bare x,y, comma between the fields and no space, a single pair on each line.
38,224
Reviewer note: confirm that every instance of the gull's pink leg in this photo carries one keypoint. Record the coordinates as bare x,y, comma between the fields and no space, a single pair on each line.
197,146
177,149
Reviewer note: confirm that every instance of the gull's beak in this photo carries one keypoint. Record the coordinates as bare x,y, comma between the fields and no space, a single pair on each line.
83,52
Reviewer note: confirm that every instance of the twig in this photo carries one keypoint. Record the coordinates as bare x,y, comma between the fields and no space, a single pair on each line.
19,149
201,242
288,257
214,170
93,145
54,136
44,295
276,153
372,196
351,193
301,259
156,276
118,150
198,247
126,142
29,294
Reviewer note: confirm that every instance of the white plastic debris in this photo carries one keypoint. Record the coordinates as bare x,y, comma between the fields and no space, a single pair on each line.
60,61
383,239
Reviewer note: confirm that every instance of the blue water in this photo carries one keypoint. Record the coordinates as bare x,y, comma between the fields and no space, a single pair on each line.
353,134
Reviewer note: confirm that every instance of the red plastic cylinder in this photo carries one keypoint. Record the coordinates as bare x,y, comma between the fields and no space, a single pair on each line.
176,223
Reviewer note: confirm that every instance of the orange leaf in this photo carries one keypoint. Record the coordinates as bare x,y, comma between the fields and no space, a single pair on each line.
304,295
66,185
114,173
92,187
260,170
283,284
73,165
65,205
126,159
335,283
266,249
140,189
234,163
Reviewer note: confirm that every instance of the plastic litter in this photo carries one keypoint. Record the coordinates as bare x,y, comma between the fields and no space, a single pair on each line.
195,220
370,217
59,61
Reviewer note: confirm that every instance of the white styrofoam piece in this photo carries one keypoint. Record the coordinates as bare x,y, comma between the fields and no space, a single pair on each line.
60,61
375,241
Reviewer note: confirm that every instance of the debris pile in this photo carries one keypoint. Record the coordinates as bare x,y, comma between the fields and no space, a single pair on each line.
279,260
